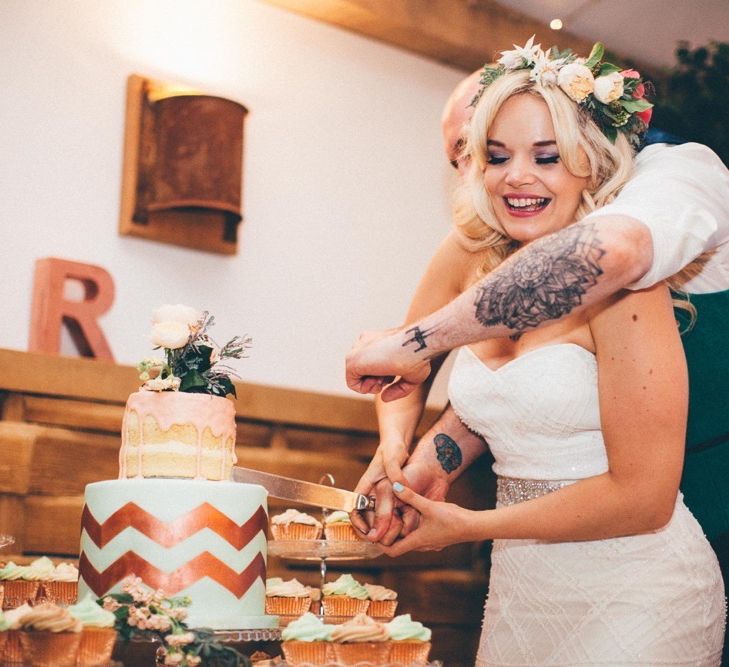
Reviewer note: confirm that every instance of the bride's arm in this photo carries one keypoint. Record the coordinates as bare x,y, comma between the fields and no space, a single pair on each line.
643,390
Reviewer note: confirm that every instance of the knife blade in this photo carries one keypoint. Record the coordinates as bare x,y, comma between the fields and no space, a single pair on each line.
306,493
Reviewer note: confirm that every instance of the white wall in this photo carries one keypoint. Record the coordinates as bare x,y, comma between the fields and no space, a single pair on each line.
345,184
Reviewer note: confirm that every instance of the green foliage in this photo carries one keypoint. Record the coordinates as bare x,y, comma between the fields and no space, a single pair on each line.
693,99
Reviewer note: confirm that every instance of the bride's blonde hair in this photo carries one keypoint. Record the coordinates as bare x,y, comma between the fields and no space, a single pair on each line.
584,150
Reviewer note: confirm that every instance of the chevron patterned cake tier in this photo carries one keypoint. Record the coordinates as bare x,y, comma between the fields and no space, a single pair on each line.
196,538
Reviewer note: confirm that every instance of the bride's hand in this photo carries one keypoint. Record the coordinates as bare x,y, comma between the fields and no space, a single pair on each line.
441,524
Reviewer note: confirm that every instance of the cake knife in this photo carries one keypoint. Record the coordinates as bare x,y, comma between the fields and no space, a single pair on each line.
306,493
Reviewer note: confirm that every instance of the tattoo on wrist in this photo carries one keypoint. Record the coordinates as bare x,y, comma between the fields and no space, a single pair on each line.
544,282
448,452
418,336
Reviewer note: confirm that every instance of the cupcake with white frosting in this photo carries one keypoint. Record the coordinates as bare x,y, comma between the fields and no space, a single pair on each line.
383,601
344,597
295,525
287,598
62,585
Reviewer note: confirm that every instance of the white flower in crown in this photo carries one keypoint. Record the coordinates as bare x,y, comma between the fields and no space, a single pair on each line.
520,56
576,80
609,87
546,70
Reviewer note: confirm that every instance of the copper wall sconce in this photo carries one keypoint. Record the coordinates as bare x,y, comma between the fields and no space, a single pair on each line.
183,166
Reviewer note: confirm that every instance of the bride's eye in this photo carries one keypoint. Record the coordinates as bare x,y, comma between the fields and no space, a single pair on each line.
496,159
547,159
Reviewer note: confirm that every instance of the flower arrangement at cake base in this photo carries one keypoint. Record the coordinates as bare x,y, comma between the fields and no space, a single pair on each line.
144,613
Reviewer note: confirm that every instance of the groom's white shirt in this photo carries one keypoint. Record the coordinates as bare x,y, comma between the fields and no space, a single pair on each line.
681,193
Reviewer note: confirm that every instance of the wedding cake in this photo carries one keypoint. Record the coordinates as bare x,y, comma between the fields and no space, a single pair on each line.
173,518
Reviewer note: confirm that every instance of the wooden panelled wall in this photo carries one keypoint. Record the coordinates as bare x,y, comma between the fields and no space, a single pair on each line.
60,420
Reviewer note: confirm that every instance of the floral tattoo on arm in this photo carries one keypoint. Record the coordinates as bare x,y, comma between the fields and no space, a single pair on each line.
448,452
545,282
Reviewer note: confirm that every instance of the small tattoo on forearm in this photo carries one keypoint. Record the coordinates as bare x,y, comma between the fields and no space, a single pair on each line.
545,282
418,336
448,452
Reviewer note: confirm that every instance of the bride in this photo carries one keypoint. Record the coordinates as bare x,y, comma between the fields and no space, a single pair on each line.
596,559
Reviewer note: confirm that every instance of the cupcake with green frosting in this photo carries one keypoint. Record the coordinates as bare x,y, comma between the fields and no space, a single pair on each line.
20,583
338,527
307,641
344,597
98,635
410,640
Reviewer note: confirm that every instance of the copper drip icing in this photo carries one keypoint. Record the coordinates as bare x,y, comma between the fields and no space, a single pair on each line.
203,565
170,534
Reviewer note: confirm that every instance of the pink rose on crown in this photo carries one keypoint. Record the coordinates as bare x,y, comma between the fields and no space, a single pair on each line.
639,91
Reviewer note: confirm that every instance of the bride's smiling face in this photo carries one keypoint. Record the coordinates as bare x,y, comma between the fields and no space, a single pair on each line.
531,191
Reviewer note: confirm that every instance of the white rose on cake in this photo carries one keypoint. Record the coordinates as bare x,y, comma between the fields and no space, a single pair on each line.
177,313
172,335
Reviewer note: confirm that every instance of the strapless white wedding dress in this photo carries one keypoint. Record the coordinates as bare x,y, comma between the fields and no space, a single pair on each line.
650,599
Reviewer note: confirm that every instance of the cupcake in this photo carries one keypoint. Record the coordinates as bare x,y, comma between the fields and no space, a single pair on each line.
62,587
287,598
12,651
50,636
362,639
338,527
18,588
295,525
383,601
410,641
97,632
344,597
306,640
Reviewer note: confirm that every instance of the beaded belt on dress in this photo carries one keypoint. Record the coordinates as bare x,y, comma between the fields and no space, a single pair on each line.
510,490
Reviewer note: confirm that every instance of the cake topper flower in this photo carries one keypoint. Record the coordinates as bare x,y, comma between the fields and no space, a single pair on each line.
192,361
614,98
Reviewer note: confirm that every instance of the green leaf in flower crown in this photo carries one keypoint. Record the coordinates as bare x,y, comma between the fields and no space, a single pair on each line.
193,382
598,51
607,68
631,106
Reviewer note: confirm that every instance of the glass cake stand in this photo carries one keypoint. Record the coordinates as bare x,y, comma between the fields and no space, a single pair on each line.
323,550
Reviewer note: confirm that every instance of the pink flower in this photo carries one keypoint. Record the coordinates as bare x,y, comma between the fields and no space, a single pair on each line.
645,116
639,91
110,604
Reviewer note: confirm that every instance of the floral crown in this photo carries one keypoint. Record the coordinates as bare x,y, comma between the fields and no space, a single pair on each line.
614,98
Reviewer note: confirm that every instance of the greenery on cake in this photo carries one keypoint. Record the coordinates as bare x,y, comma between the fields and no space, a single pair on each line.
192,361
144,613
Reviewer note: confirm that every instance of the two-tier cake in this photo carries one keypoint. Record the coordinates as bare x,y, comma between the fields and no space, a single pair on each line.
173,517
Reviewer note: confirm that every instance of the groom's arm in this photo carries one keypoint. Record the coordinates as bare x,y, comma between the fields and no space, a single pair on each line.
548,279
672,210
